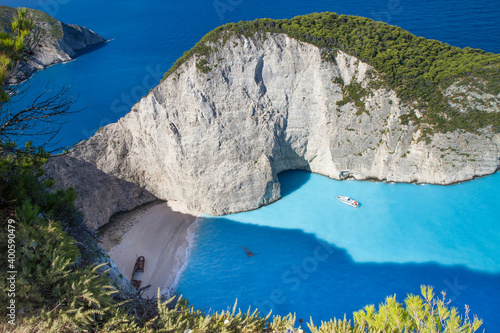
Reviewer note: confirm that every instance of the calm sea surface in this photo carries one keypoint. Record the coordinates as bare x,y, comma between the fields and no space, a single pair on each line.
313,255
320,258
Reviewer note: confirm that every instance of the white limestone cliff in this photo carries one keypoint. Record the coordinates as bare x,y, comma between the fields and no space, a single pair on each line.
217,140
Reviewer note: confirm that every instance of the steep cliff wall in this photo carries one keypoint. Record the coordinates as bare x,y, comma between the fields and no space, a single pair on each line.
100,195
217,131
58,41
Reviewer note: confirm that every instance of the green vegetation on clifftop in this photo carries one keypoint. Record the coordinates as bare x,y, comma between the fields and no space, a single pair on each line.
418,69
50,25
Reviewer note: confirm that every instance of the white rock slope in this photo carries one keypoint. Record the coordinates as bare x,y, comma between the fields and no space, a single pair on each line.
217,140
52,51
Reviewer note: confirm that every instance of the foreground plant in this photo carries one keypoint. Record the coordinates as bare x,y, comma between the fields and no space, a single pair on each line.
426,314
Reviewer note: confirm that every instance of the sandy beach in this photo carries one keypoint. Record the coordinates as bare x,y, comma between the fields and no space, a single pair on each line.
159,232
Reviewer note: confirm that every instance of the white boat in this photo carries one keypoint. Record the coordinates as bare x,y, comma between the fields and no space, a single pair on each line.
348,201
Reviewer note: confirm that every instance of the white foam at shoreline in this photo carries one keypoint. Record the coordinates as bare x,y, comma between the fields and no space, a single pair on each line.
182,256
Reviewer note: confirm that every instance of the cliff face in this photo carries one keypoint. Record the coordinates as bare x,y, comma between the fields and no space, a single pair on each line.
100,195
58,42
216,133
51,51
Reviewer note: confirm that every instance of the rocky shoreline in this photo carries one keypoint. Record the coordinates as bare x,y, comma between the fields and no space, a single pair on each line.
51,51
59,42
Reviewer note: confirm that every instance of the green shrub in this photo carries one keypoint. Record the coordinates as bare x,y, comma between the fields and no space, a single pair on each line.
354,93
51,282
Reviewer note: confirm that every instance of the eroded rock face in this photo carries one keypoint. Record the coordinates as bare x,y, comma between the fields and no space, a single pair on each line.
99,195
51,51
217,140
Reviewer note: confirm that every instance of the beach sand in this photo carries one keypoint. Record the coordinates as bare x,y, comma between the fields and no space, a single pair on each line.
159,232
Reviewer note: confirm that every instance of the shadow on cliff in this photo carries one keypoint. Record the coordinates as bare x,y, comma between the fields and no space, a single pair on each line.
292,271
295,171
99,195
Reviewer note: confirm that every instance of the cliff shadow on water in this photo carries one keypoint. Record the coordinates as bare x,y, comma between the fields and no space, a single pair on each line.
291,271
292,180
91,48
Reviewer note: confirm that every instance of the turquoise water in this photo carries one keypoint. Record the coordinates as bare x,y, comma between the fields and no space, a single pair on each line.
318,257
314,256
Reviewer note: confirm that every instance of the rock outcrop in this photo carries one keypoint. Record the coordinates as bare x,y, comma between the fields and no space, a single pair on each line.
59,42
51,51
100,195
215,134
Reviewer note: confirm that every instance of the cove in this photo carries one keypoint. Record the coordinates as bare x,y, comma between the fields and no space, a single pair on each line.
320,258
396,241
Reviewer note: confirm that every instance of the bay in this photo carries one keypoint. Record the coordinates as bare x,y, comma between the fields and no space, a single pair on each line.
319,258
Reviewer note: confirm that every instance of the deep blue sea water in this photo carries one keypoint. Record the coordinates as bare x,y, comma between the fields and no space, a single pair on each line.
314,256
